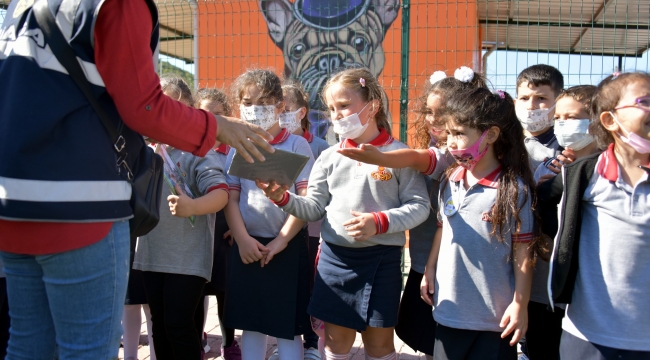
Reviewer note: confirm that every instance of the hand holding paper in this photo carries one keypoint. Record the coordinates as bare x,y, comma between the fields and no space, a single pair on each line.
272,190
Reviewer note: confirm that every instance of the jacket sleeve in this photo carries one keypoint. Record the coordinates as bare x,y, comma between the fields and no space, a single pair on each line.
549,195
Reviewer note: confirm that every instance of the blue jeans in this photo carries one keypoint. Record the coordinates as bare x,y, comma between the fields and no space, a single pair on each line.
73,300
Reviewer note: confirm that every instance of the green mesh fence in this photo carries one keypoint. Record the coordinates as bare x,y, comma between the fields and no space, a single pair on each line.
211,42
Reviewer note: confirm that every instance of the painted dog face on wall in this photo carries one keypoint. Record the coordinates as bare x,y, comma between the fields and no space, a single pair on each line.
321,37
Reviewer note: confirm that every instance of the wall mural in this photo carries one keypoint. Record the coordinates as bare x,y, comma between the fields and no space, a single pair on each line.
320,37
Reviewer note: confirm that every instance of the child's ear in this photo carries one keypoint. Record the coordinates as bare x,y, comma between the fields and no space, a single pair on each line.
492,135
607,120
302,112
374,107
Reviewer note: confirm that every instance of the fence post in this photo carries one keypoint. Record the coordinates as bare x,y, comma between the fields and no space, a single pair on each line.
404,74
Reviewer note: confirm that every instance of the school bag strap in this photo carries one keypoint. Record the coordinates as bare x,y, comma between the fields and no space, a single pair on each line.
144,169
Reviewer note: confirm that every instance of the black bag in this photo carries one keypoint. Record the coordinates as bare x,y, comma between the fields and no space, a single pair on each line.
144,168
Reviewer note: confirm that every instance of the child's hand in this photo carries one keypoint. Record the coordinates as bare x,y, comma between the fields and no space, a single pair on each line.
364,153
361,227
228,235
180,205
272,190
251,250
516,319
275,247
427,286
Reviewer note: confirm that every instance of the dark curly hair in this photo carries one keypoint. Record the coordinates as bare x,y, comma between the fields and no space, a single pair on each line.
266,81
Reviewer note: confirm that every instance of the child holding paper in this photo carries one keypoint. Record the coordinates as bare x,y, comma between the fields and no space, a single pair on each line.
176,257
269,297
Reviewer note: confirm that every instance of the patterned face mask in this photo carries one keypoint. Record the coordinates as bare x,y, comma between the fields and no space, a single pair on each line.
535,120
469,157
290,120
260,115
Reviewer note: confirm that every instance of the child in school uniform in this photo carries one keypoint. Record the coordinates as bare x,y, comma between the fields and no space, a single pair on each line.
571,128
176,257
479,272
216,102
268,271
537,88
415,324
295,119
358,281
602,248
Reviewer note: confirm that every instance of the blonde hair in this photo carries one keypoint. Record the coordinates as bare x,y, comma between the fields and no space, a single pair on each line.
349,79
295,93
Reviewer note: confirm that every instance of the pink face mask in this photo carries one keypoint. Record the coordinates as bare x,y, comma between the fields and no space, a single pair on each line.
639,144
468,158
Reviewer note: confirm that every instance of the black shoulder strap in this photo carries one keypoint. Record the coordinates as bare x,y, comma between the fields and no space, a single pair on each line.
66,56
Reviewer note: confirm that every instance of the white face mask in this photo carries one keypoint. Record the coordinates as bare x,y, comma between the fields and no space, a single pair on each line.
350,127
290,120
535,120
260,115
573,133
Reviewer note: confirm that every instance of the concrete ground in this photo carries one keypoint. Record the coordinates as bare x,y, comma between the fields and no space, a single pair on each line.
214,337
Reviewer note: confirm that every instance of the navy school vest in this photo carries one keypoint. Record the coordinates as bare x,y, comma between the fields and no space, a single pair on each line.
57,162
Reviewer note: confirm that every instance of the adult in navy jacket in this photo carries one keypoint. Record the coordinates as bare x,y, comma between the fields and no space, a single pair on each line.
64,235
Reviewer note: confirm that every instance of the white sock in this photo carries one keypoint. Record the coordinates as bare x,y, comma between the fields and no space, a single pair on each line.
332,356
147,316
291,349
131,322
391,356
253,345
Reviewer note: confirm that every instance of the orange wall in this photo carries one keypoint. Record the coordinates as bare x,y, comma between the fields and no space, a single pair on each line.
233,36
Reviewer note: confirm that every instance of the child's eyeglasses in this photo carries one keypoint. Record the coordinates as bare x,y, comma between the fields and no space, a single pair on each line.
642,103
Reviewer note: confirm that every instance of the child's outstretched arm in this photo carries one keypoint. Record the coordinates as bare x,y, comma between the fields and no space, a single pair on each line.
250,249
418,159
516,316
310,207
289,230
428,284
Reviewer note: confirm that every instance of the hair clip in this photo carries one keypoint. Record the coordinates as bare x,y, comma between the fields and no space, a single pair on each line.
464,74
362,81
437,76
616,74
501,94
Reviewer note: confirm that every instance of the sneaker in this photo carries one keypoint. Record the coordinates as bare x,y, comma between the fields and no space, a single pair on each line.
522,357
312,354
206,347
275,355
232,352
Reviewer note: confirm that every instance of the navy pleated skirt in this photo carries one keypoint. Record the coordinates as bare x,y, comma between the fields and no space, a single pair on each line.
357,287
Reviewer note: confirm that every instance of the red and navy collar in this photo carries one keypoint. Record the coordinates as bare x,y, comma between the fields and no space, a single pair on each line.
281,137
383,139
307,135
608,165
223,149
491,180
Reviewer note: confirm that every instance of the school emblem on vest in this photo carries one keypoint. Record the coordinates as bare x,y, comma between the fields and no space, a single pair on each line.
450,209
381,174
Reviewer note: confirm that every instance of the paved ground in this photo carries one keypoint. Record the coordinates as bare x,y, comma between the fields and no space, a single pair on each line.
214,337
